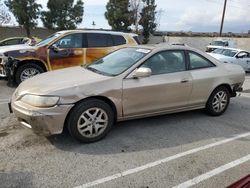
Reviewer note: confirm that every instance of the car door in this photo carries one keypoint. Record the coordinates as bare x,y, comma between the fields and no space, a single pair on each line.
204,74
168,87
99,45
68,51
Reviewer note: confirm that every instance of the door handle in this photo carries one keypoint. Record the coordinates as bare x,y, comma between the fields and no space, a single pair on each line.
184,80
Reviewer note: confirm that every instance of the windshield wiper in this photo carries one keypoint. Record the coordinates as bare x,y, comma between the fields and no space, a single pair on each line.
97,71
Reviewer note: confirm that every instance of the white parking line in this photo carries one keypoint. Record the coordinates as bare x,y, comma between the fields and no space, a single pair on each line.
161,161
214,172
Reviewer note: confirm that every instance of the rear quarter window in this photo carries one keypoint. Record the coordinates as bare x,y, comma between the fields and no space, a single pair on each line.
97,40
197,61
136,38
118,40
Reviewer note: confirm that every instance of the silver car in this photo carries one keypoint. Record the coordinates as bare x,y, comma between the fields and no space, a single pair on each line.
129,83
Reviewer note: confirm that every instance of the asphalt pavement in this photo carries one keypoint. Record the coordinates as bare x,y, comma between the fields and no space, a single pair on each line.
183,149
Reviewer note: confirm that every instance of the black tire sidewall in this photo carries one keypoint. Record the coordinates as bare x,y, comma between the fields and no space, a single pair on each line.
77,112
209,106
23,67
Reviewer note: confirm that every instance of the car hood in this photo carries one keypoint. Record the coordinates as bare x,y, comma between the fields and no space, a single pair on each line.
54,82
24,47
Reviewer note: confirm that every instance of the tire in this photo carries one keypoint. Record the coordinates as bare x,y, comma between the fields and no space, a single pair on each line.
83,124
27,71
218,101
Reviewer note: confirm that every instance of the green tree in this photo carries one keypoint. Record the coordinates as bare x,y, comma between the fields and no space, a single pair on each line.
148,19
63,14
118,15
26,12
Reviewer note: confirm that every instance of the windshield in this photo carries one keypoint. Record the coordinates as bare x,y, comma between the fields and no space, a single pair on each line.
226,52
218,43
48,40
118,61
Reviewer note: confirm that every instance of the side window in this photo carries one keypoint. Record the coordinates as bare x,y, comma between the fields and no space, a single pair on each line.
71,41
166,62
118,40
97,40
197,61
12,42
244,54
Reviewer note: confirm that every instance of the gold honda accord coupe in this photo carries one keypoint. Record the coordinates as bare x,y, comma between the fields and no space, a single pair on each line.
133,82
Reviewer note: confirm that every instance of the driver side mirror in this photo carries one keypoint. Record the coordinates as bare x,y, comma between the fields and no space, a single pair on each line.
55,48
142,72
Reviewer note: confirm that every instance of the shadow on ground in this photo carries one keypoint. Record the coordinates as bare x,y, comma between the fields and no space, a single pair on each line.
163,131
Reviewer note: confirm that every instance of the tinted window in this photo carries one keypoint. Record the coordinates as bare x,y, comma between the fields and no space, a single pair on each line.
118,40
96,40
197,61
71,41
12,42
166,62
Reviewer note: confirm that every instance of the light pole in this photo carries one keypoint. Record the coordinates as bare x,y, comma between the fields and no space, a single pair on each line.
223,15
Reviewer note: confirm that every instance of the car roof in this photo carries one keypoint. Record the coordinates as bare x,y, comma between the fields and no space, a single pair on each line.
95,31
165,46
14,38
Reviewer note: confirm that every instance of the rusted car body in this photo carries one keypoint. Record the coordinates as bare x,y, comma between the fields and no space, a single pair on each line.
60,50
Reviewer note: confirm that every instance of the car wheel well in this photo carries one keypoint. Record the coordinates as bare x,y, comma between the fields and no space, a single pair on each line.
226,86
37,62
102,98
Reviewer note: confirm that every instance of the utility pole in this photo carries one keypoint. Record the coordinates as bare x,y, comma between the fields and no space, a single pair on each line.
223,15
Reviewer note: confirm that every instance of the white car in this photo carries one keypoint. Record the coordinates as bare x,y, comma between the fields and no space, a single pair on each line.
221,43
233,55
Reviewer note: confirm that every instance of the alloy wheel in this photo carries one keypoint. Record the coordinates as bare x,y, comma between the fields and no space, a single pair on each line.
92,122
220,101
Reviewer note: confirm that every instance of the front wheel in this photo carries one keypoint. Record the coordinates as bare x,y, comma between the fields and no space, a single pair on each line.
27,71
218,101
90,120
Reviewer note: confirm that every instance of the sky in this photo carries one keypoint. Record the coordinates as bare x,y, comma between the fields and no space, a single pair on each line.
180,15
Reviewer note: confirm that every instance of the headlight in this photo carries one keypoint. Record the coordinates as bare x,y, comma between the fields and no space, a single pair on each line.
40,101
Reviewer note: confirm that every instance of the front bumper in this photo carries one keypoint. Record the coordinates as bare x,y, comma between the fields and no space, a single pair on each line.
42,121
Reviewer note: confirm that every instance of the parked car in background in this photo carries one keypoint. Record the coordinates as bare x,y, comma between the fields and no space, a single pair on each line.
233,55
220,43
19,40
129,83
60,50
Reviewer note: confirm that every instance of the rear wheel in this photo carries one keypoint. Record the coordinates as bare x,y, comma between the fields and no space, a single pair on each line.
218,101
90,120
27,71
